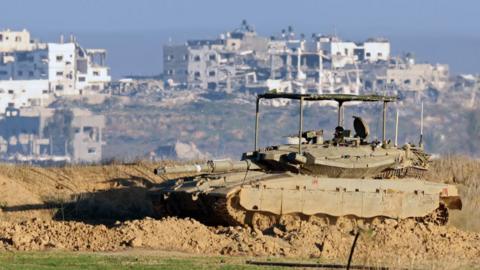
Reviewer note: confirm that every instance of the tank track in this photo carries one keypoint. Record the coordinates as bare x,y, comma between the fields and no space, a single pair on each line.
232,214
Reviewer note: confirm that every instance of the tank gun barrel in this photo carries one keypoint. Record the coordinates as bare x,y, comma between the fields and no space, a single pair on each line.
211,166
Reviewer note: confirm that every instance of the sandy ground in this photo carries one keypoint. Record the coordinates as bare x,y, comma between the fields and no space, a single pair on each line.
33,217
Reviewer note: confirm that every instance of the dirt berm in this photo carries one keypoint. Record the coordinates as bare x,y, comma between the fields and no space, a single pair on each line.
103,208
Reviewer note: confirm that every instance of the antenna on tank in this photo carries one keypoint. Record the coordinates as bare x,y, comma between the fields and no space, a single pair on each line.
421,126
396,128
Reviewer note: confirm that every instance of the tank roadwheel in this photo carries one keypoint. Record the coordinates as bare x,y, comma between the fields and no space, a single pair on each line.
346,223
376,221
291,221
236,213
438,217
158,208
262,221
320,220
171,208
228,210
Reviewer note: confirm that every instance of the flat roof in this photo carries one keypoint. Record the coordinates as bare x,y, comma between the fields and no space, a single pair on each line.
336,97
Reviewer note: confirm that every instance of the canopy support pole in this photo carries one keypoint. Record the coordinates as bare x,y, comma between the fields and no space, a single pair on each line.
384,129
340,114
257,118
300,129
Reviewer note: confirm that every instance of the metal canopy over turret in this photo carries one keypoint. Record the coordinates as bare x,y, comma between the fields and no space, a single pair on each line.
341,98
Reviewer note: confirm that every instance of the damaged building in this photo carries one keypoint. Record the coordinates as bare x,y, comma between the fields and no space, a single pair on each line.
216,63
403,74
41,135
289,62
32,71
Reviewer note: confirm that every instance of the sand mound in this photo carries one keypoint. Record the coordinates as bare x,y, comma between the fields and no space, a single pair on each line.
29,191
386,242
37,203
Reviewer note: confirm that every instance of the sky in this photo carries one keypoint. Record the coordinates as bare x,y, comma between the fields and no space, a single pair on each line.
133,32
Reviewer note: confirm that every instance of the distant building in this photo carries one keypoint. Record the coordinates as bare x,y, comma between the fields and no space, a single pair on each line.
403,74
23,93
241,59
15,41
214,63
52,69
348,52
40,134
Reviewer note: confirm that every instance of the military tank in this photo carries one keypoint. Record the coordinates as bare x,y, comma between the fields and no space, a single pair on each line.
344,179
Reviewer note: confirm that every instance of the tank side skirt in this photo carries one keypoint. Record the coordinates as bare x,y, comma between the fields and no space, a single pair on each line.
339,203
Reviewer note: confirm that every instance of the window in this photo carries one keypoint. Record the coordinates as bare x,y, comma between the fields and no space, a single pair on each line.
11,92
3,72
196,74
1,37
368,54
44,91
346,51
59,87
196,58
379,54
407,81
59,58
30,73
18,39
24,57
211,73
212,57
170,72
170,57
185,57
81,79
59,73
96,73
20,73
92,150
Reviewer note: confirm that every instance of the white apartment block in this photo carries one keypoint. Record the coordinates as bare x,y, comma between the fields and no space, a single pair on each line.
23,93
348,52
54,69
15,41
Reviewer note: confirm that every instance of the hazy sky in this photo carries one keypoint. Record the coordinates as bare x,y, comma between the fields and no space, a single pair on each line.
133,31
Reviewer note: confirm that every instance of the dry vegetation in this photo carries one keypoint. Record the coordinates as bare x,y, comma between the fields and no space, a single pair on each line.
465,173
78,198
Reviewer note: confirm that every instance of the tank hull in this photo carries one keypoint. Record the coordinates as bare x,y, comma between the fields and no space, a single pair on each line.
235,198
